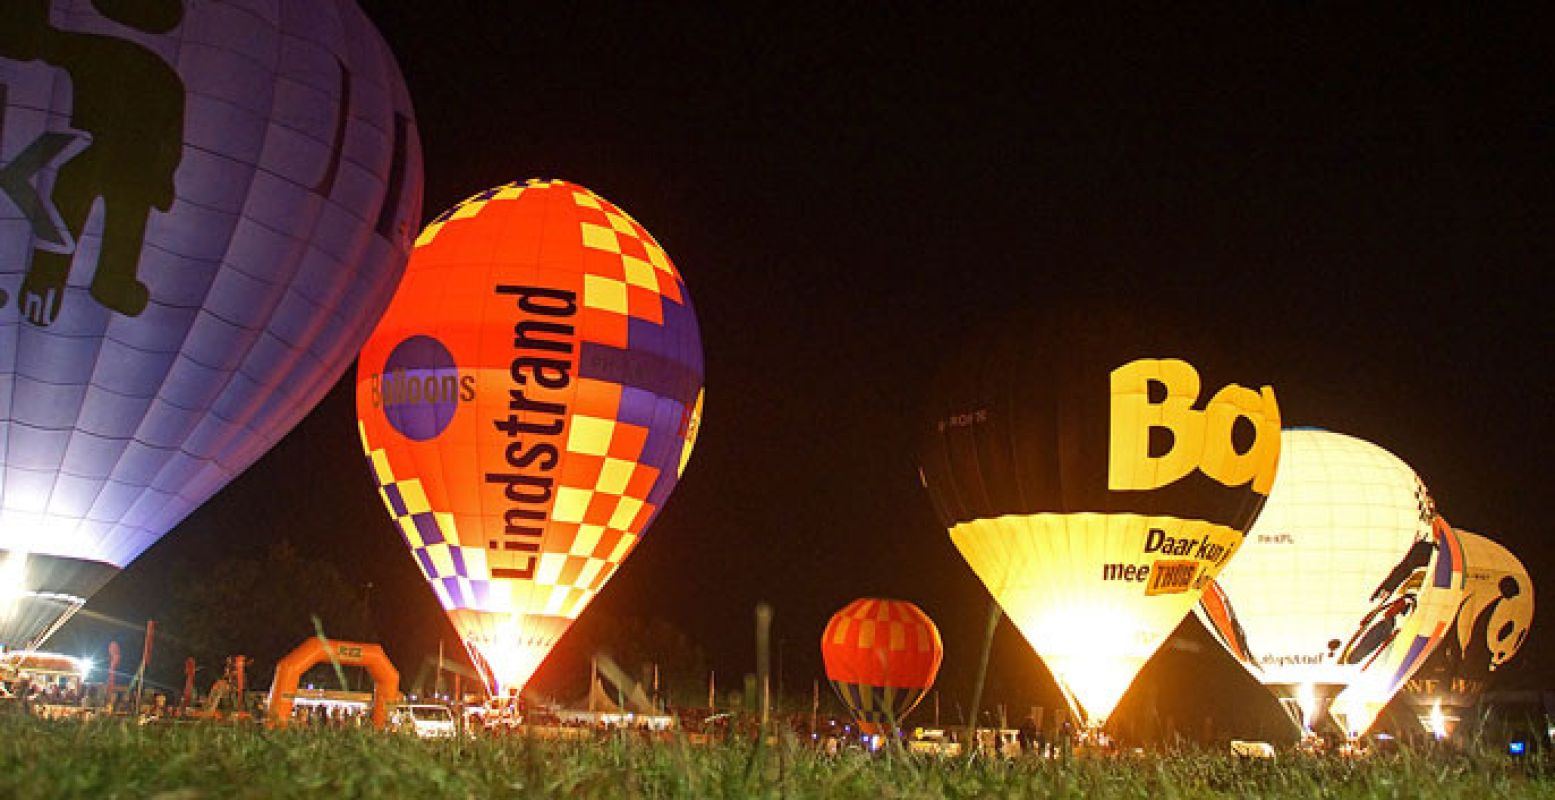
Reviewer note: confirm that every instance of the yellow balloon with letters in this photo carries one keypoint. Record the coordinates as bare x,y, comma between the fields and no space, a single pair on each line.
1095,489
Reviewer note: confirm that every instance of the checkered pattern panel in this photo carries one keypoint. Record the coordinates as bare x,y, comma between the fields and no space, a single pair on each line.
875,642
878,707
458,575
600,508
472,205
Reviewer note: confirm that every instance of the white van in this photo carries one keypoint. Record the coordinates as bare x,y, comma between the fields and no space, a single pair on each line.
426,720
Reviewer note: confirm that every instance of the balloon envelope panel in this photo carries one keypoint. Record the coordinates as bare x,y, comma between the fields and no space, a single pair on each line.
1491,625
1095,481
205,206
1341,565
527,404
1498,603
881,657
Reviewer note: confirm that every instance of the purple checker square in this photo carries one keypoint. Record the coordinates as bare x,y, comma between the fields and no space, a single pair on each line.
646,336
396,502
458,558
455,593
427,525
683,337
662,450
426,561
636,407
377,479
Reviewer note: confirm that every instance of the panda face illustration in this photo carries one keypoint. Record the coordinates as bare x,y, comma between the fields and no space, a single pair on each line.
1509,620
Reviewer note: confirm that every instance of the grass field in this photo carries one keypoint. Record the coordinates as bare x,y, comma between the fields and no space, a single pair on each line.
113,759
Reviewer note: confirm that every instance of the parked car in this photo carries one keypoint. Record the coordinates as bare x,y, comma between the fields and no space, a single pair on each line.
426,720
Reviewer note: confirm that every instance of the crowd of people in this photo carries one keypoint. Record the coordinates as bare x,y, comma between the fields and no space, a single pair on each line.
331,716
30,693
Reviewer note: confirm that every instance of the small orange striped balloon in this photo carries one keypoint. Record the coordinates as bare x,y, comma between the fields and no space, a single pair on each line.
881,656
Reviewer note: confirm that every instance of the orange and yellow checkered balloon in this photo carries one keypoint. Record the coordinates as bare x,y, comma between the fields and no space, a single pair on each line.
527,404
882,657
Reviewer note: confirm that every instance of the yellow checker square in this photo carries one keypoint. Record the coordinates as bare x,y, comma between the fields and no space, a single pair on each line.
428,234
590,435
866,633
580,600
898,636
412,533
414,497
599,237
606,294
550,568
557,600
585,199
626,511
467,209
640,273
620,224
622,548
614,476
590,571
445,524
587,538
381,467
571,504
475,563
442,560
840,635
508,192
657,258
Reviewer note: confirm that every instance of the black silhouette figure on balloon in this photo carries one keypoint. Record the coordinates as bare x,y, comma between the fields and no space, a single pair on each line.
1398,594
131,105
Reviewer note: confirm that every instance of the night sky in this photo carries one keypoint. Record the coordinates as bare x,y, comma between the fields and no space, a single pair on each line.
1360,204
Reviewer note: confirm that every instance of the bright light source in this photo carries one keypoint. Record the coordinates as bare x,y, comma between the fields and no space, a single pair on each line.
1517,748
13,582
86,665
1438,721
1306,700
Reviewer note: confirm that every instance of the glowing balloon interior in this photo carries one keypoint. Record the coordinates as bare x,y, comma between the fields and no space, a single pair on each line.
1096,482
527,404
204,206
1343,579
881,658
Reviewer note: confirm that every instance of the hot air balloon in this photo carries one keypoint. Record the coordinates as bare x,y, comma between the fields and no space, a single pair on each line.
204,206
1346,580
1491,626
881,657
527,404
1095,480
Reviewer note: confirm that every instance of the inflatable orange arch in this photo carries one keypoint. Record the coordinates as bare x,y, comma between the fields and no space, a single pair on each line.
289,671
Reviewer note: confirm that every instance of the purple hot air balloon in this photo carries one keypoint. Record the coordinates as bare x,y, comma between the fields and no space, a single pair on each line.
204,208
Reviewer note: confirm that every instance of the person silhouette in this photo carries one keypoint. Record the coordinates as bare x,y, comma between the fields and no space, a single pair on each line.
131,104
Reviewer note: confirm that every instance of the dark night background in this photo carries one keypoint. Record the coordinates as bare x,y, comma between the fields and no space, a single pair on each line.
1362,203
